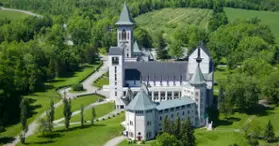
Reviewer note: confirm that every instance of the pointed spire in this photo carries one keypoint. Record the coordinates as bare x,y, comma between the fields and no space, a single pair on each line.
197,77
125,18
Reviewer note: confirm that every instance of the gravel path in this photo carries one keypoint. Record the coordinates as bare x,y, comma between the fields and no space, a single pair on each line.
86,83
115,141
22,11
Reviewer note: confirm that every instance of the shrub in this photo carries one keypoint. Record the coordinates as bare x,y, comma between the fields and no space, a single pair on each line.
143,142
113,115
77,87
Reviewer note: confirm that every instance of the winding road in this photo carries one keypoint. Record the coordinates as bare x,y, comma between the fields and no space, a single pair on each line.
87,84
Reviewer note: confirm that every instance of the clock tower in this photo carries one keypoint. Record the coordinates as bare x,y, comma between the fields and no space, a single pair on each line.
125,35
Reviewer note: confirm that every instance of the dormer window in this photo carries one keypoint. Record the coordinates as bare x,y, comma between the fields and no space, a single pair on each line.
123,34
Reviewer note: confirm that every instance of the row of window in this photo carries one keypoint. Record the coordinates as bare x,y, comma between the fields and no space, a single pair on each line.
124,35
161,82
172,116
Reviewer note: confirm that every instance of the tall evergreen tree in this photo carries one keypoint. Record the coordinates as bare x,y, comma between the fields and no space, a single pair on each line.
51,110
67,111
93,114
166,125
269,132
81,115
160,45
23,119
23,114
177,127
187,134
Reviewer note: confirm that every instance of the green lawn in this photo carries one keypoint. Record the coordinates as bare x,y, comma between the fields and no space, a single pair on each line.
230,131
12,15
100,82
269,18
96,135
101,110
169,18
76,103
40,100
125,143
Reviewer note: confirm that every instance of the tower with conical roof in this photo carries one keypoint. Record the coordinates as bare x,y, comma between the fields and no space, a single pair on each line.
200,92
140,113
125,35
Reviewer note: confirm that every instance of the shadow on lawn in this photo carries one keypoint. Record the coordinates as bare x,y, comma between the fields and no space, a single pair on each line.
52,135
31,108
79,127
41,142
4,140
226,122
260,110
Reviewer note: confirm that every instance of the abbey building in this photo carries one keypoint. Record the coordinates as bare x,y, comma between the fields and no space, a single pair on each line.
149,90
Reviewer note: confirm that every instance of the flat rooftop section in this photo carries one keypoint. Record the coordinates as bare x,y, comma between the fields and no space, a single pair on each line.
174,103
156,71
115,51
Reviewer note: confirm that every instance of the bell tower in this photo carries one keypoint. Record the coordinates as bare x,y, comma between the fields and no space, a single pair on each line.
125,37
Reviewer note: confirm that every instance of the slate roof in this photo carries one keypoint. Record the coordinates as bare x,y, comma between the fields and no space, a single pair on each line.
124,18
206,50
156,71
115,51
141,102
136,47
197,77
174,103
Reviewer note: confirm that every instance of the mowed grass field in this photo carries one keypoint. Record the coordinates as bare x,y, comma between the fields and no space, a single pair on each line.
11,15
96,135
269,18
39,101
169,18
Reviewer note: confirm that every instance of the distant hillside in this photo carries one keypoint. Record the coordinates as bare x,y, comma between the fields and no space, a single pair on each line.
269,18
168,19
12,15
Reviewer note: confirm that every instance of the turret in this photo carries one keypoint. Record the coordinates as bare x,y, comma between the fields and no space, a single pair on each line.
199,83
116,75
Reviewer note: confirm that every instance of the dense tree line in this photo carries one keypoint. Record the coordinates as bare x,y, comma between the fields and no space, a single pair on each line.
176,133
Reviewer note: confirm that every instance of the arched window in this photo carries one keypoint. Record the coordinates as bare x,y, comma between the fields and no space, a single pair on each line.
123,34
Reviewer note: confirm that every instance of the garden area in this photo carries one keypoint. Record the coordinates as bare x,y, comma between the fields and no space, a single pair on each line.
103,80
96,135
101,110
76,104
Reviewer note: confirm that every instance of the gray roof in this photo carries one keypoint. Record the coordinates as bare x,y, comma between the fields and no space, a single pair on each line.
136,47
156,71
124,18
206,50
141,102
197,77
174,103
115,51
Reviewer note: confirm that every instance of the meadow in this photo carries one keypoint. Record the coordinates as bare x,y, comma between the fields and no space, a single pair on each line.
11,15
269,18
169,18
